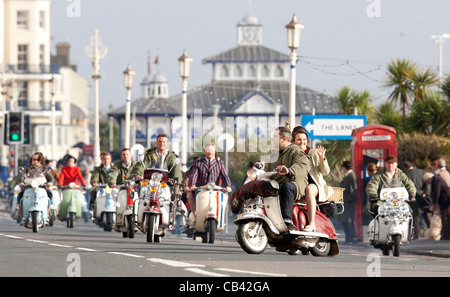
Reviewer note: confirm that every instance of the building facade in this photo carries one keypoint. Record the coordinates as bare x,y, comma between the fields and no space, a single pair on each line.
247,97
26,68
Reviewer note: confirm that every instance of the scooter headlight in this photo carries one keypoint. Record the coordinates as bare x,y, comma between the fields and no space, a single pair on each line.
155,179
72,185
34,184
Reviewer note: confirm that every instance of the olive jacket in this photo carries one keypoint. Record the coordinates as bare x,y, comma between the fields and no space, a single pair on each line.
151,161
378,179
295,159
120,173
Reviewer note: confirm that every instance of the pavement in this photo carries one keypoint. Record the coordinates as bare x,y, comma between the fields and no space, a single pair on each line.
439,248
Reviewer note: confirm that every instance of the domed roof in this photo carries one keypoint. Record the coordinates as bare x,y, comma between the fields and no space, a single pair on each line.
249,20
157,78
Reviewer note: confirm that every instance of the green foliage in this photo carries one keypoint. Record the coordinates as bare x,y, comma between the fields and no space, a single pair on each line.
421,149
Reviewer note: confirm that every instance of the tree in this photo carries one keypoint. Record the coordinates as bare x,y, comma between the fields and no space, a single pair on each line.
398,79
445,88
387,115
421,82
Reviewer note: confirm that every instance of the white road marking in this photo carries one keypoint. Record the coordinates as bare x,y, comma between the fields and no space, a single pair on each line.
204,272
249,272
174,263
126,254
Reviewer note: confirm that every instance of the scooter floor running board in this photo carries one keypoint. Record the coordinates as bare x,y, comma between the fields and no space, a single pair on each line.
308,234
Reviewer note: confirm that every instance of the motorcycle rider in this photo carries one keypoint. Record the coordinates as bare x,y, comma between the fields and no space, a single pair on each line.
100,175
207,169
377,181
292,165
121,170
71,173
37,166
156,158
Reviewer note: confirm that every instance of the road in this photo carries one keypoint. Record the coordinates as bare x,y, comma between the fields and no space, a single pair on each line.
88,251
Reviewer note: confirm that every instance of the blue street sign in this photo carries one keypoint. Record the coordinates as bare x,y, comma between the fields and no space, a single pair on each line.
332,126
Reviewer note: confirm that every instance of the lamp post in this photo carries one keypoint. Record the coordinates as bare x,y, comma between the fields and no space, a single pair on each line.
128,76
293,37
440,39
185,67
52,84
96,51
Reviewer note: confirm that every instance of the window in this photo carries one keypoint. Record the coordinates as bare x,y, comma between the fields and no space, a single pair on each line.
265,72
251,72
41,54
42,19
238,71
224,72
23,90
278,71
22,20
22,56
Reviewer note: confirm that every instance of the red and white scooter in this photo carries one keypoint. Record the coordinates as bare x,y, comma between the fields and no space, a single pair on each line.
260,223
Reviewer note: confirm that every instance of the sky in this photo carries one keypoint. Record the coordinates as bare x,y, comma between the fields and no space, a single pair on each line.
343,43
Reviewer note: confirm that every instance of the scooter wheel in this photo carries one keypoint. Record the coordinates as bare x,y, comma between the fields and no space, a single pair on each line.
249,241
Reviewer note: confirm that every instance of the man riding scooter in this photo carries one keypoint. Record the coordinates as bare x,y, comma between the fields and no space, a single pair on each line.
207,169
292,165
158,157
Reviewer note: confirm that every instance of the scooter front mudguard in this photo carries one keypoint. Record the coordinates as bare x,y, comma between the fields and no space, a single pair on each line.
254,216
40,204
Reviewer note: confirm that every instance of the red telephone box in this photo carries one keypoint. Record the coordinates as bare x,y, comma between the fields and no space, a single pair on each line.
370,144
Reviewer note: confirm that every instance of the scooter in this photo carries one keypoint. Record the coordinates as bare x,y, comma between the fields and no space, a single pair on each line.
54,205
14,206
155,204
181,215
35,202
126,209
211,208
72,204
260,224
392,226
104,208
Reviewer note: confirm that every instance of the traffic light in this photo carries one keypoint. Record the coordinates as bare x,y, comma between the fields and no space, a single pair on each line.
27,129
14,127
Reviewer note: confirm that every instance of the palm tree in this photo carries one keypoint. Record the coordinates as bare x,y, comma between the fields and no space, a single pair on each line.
386,114
421,82
345,100
445,88
398,78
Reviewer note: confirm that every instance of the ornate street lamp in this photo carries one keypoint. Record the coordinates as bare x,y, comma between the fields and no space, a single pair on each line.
293,37
185,67
128,76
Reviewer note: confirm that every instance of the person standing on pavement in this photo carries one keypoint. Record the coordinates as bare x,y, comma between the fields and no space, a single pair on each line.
416,175
440,189
350,184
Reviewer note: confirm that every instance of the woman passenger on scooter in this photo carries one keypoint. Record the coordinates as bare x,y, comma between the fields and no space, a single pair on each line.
317,189
71,173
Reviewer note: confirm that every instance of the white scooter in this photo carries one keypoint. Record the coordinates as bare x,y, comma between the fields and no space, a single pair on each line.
35,202
54,206
211,207
392,226
126,211
105,207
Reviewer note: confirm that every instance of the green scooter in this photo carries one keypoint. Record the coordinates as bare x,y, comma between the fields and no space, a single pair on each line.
72,203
